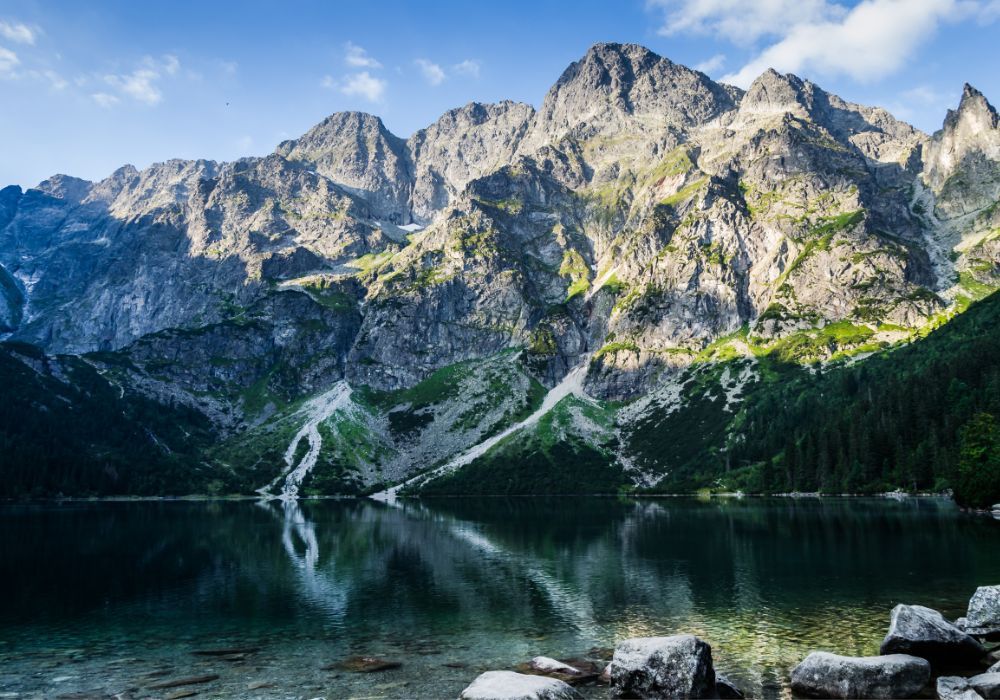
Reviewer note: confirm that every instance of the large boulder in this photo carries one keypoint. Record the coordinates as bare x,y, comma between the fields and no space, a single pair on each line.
986,684
983,616
663,667
507,685
920,631
956,688
825,675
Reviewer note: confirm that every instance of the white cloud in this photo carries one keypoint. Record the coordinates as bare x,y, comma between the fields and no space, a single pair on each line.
470,67
989,12
18,33
362,84
143,83
8,61
432,72
357,57
171,64
56,81
105,99
140,85
739,21
711,65
873,40
925,94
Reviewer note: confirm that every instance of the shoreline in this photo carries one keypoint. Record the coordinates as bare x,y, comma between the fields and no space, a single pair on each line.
891,495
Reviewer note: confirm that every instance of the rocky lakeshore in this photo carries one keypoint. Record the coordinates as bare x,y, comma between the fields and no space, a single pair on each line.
921,653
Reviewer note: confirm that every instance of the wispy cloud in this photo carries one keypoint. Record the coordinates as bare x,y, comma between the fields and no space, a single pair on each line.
55,81
18,32
362,84
171,64
142,84
865,41
432,72
470,68
739,21
357,57
8,62
711,65
105,99
873,40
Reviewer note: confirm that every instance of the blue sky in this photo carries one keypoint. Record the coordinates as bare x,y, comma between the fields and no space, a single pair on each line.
87,87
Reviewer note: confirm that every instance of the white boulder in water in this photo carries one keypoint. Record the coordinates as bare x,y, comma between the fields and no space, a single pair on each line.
507,685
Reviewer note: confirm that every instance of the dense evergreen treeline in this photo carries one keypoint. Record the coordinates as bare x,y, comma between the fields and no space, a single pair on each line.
85,436
921,417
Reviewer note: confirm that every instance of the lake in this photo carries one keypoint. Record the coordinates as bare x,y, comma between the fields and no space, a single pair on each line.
110,596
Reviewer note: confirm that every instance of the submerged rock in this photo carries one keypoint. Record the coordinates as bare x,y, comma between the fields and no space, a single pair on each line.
825,675
572,671
725,689
983,616
663,667
508,685
544,664
986,684
191,680
955,688
363,664
920,631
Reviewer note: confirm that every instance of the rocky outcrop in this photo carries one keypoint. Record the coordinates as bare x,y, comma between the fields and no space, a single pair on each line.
356,151
464,144
507,685
986,684
955,688
725,689
825,675
920,631
663,667
983,616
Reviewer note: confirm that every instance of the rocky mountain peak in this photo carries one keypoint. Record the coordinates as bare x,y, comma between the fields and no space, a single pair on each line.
974,110
66,187
627,89
774,93
969,139
357,152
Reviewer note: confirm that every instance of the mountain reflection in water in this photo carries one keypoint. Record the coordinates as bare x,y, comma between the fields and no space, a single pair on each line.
451,587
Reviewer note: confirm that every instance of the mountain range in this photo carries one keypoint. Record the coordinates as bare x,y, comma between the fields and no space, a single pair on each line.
629,288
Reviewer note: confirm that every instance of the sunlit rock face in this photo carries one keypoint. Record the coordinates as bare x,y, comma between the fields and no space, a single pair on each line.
642,213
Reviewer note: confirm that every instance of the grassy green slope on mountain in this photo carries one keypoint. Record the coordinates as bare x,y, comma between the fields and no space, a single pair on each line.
905,418
569,451
86,436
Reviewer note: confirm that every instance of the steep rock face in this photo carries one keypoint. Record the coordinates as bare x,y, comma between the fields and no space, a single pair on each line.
473,283
462,145
179,244
618,84
961,175
357,152
285,345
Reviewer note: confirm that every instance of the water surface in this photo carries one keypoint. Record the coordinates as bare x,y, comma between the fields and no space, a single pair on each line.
113,597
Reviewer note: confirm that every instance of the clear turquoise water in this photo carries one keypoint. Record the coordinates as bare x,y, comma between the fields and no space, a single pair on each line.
112,597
